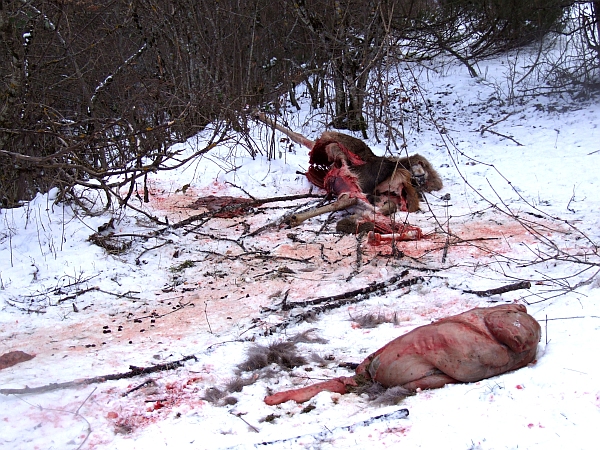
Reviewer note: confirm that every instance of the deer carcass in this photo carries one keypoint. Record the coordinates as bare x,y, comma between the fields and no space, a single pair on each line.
468,347
375,187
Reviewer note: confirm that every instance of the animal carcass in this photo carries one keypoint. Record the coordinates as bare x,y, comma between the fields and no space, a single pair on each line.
468,347
375,187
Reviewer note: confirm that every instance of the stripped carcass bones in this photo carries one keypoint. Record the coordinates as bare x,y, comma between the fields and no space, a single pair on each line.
468,347
376,187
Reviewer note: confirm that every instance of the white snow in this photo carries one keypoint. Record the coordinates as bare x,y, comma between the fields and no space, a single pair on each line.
538,160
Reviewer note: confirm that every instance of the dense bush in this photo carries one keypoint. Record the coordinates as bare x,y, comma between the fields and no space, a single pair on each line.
94,93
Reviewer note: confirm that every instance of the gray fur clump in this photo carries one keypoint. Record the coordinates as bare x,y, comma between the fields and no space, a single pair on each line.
259,358
238,383
370,320
218,397
307,337
381,395
283,354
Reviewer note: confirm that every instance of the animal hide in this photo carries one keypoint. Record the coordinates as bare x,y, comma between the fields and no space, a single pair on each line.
468,347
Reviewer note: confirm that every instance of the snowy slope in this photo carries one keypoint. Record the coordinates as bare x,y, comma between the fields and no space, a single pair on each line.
523,182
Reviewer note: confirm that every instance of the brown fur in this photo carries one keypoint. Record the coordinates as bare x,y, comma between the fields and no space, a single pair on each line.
424,176
373,175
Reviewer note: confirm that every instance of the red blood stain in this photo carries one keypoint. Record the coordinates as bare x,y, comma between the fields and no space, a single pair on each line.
136,413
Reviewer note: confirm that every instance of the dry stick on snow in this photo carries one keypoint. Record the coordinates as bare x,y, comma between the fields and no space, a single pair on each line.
501,290
239,416
220,238
178,307
206,316
487,128
323,304
134,371
148,382
242,189
359,255
77,294
96,288
373,287
146,250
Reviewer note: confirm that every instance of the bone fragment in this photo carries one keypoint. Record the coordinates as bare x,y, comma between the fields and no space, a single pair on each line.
407,234
343,202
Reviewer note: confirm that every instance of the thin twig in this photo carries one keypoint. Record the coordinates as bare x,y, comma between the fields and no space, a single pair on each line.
206,316
239,416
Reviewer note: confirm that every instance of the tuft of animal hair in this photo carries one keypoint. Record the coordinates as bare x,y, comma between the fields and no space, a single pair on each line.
213,395
283,354
218,397
371,320
319,360
221,397
229,400
392,396
380,395
307,337
238,383
256,358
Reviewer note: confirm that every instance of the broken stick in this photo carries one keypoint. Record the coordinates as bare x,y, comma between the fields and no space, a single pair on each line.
133,372
501,290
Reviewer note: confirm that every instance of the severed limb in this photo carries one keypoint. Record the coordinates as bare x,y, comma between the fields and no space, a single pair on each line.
306,393
343,202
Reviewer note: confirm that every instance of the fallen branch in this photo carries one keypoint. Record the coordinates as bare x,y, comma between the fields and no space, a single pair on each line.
97,289
373,287
323,304
501,290
134,371
148,382
234,206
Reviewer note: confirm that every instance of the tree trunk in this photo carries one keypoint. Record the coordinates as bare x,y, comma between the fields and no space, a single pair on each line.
596,6
340,117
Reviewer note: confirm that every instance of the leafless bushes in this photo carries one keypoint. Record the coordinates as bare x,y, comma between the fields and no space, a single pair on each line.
94,94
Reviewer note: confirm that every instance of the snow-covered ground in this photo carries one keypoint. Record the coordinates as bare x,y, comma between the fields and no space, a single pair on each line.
523,184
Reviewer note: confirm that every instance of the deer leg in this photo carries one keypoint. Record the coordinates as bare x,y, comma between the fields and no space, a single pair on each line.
343,202
301,395
407,233
296,137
